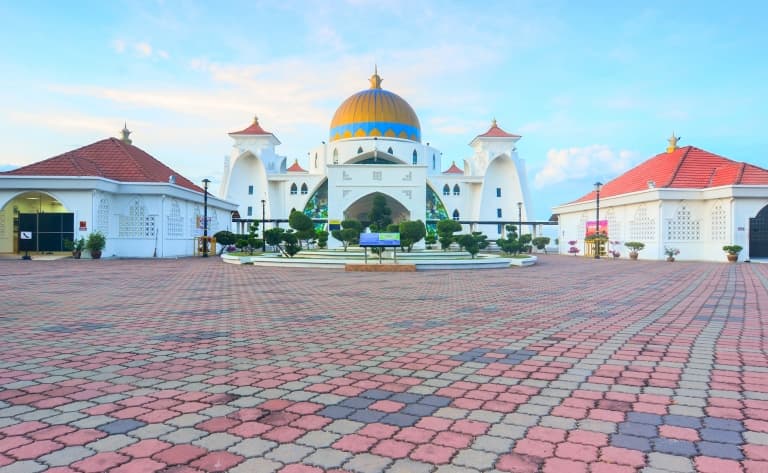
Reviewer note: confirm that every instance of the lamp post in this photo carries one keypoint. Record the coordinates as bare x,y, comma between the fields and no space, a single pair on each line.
263,227
519,220
205,217
598,184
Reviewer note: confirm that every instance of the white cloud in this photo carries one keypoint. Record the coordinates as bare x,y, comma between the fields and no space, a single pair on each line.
143,49
577,163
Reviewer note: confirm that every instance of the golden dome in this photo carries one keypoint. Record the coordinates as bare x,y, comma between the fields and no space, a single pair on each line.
375,112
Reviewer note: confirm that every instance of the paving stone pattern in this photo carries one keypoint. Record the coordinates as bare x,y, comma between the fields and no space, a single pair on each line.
573,365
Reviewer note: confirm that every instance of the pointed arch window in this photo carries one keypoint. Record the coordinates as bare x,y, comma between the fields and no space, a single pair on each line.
360,150
446,190
304,189
335,156
456,214
456,190
415,157
433,161
389,150
294,189
315,160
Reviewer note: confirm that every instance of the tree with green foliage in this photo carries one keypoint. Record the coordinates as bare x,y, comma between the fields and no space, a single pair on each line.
541,243
472,242
380,215
274,237
430,239
303,225
225,238
410,233
322,238
253,241
445,230
291,243
514,243
349,233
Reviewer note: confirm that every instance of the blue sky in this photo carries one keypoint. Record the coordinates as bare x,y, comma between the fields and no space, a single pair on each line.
593,87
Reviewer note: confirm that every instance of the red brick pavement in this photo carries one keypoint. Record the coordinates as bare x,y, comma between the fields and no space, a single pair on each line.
570,365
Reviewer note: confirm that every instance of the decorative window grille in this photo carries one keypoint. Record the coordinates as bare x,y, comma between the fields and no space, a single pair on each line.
719,223
642,227
175,221
446,190
294,189
614,226
102,216
683,227
456,214
376,175
137,224
304,189
456,190
197,221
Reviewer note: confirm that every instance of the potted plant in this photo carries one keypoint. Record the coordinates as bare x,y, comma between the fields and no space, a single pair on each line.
96,243
68,245
77,248
573,250
671,253
732,252
634,248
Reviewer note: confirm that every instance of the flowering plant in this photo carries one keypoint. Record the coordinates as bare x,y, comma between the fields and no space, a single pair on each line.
671,251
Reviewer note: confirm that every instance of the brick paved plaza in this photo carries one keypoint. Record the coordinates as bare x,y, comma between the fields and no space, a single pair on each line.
574,365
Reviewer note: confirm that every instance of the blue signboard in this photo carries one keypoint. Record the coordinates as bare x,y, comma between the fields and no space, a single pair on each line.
379,239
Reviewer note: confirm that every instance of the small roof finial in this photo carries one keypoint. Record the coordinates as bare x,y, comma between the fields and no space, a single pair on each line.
255,119
493,124
126,133
672,142
376,80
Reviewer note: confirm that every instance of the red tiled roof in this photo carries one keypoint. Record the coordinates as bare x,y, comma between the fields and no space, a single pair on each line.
684,168
253,129
495,132
453,169
295,167
110,158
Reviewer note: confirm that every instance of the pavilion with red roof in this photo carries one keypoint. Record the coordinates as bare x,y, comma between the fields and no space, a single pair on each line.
686,198
143,207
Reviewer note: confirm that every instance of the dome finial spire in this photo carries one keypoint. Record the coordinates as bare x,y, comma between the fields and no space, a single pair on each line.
672,142
375,79
493,123
126,133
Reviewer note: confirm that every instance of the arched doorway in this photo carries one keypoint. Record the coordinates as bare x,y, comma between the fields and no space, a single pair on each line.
44,221
758,234
359,209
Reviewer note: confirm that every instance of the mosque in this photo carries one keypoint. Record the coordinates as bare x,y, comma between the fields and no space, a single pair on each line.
375,147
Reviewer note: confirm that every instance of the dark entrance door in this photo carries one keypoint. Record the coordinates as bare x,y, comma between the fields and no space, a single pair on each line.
758,235
48,231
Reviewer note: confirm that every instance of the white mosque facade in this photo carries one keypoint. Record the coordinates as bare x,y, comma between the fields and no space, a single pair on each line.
375,148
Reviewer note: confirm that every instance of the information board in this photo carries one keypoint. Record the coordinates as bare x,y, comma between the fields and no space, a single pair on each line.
379,239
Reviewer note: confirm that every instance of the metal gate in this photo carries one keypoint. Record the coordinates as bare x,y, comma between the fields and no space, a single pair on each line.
48,231
758,235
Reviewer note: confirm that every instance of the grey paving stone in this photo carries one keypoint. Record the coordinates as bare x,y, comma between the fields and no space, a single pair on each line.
318,439
670,462
687,411
111,443
187,420
27,466
152,431
405,465
66,455
217,441
598,426
475,459
184,435
260,465
521,419
253,447
758,438
508,431
367,463
327,458
491,443
65,418
289,453
455,469
556,422
343,427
